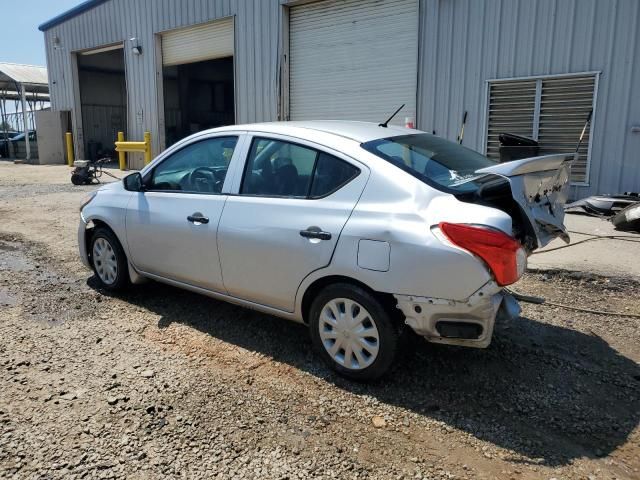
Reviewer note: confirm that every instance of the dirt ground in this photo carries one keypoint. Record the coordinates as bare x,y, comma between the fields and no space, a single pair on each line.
163,383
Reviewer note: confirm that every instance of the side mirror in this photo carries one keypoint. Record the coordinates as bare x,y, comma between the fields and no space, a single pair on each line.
133,182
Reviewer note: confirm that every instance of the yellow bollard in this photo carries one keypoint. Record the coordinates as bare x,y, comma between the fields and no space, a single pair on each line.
147,148
122,156
69,139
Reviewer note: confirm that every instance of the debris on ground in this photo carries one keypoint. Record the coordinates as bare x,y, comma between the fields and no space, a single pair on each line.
602,205
628,219
623,210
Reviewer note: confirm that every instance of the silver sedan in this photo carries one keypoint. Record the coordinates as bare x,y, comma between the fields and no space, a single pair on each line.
363,232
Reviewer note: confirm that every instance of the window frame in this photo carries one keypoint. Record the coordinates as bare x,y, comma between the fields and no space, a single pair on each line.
487,100
252,137
149,172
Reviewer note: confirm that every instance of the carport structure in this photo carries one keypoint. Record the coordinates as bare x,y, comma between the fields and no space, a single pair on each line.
23,84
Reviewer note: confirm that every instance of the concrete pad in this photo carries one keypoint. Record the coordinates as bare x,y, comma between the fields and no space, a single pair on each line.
609,257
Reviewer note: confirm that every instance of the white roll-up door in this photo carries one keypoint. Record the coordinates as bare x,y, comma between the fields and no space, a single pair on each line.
198,43
353,59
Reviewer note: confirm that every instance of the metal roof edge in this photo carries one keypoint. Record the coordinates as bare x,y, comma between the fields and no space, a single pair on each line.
75,11
22,64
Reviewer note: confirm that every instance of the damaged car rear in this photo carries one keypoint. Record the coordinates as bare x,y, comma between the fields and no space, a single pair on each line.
474,223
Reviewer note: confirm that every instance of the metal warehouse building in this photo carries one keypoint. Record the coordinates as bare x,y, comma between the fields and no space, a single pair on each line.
530,67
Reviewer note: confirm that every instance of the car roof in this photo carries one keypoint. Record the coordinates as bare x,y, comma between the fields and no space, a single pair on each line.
353,130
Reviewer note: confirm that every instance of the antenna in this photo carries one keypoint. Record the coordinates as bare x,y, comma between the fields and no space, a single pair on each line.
385,124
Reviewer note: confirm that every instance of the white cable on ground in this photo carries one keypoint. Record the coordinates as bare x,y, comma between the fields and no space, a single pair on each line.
541,301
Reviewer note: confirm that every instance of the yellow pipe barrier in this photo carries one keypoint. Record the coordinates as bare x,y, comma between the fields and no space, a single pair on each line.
69,139
138,147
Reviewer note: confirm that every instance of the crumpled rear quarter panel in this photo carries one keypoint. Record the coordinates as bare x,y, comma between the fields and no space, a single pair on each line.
399,209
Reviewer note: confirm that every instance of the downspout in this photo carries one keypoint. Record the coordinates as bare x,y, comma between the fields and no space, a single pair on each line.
25,119
4,119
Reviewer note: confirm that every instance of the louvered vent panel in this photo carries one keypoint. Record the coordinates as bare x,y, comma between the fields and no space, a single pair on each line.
564,108
511,110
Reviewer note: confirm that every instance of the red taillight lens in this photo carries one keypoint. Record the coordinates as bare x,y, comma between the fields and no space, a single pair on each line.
504,254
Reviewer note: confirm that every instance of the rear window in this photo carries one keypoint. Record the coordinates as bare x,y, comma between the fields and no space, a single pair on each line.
440,163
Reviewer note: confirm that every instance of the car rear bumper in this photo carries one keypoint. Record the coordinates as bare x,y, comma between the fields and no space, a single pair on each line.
466,323
82,242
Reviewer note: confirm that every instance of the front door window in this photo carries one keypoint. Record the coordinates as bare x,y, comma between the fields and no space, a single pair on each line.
200,167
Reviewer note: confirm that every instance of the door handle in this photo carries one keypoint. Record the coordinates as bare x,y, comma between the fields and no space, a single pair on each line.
315,232
197,218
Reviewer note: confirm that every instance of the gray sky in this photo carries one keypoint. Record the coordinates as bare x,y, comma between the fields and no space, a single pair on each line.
20,39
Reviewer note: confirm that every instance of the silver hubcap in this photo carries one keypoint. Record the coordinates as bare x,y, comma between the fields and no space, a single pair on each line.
348,333
104,260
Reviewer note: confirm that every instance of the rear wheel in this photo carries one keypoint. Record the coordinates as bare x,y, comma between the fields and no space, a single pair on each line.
109,260
353,332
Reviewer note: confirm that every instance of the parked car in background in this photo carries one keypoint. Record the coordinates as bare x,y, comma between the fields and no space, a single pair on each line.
9,133
20,136
4,141
357,230
12,137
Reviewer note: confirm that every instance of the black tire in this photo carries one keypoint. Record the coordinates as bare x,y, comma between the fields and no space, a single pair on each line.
78,179
121,280
380,317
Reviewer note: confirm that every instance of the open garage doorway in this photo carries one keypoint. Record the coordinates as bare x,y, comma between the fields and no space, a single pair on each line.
197,96
103,97
198,78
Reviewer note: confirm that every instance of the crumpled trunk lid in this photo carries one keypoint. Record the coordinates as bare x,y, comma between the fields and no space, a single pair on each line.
539,185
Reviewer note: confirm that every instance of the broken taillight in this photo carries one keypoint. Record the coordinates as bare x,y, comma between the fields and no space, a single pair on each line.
503,254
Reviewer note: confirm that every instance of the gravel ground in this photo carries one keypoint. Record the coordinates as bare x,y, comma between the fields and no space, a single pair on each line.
162,383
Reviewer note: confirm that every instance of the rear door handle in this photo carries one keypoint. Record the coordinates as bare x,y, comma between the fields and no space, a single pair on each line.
197,218
315,232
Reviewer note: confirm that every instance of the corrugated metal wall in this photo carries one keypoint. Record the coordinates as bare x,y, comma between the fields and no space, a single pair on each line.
466,42
257,24
463,43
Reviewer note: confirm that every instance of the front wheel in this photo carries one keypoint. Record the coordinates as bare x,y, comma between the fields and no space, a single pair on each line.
353,332
109,260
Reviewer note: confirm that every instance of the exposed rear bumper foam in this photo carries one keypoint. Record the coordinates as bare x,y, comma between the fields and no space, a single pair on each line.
452,322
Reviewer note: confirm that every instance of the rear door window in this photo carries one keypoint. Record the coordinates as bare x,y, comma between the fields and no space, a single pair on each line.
331,173
277,168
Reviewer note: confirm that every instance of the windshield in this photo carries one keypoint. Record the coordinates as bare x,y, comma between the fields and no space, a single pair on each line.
434,160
